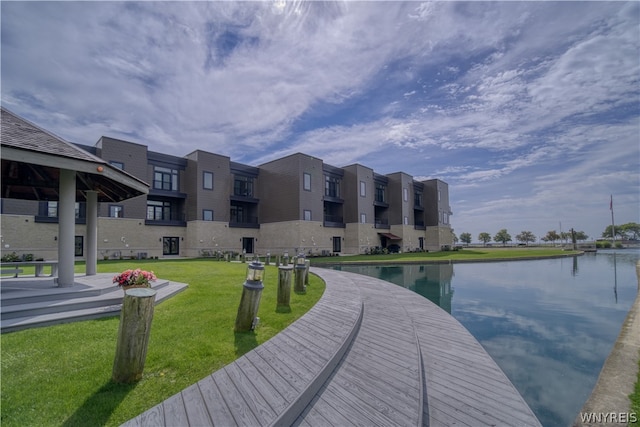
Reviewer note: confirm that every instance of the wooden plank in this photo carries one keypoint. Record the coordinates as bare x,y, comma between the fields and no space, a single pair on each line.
262,378
296,375
215,403
253,397
236,403
195,407
275,378
175,413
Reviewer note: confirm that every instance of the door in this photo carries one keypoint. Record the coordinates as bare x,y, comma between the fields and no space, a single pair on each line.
170,246
247,245
337,244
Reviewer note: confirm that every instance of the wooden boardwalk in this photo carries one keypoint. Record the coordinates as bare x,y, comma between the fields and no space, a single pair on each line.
369,353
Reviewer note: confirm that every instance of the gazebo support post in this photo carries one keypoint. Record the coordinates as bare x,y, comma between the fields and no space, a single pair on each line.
92,233
66,227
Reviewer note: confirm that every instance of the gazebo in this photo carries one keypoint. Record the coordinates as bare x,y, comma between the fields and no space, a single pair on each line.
37,165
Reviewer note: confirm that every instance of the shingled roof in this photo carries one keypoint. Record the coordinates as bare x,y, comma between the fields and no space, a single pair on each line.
32,158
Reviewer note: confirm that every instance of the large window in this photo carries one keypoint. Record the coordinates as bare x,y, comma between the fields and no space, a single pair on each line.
243,186
417,199
307,182
52,209
158,210
207,180
331,186
165,179
380,193
115,211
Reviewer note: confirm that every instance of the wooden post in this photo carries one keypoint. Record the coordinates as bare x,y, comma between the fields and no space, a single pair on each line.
299,280
249,303
307,265
284,286
133,334
277,260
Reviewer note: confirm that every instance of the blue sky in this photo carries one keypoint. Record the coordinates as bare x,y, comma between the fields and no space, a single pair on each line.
529,110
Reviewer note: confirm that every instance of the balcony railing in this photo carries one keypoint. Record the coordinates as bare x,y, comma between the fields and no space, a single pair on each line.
333,221
382,223
244,222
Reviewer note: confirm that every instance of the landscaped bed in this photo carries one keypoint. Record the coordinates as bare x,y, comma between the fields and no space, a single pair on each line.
61,375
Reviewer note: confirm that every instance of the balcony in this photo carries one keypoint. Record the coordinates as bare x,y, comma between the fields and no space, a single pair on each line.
334,221
244,222
382,223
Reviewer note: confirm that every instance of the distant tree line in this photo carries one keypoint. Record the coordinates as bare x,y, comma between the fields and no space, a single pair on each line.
628,231
524,237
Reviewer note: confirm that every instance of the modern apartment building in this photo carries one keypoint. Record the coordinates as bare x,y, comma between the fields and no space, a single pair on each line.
204,202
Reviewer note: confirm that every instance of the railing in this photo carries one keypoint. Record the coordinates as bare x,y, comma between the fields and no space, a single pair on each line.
382,223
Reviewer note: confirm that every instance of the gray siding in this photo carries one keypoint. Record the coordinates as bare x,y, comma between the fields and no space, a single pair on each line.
199,198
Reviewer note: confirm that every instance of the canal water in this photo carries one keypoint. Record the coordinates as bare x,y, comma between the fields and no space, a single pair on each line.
549,324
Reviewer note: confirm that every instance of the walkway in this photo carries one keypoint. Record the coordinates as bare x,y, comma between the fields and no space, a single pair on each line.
369,353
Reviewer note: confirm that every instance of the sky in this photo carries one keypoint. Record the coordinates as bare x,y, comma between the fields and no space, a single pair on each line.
530,111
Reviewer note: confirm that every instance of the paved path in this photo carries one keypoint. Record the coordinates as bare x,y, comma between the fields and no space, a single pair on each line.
369,353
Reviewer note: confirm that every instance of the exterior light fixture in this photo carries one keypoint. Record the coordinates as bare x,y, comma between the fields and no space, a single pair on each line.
255,271
247,319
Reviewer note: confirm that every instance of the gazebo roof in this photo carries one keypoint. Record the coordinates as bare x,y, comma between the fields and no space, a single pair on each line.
32,158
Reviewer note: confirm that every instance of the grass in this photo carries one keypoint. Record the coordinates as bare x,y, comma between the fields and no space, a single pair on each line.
61,375
635,401
479,254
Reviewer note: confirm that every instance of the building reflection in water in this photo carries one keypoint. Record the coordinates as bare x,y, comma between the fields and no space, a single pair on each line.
432,281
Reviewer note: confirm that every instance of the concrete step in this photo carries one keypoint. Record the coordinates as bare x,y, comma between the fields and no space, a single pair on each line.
74,301
72,311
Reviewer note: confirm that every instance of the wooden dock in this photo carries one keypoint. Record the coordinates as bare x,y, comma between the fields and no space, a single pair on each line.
369,353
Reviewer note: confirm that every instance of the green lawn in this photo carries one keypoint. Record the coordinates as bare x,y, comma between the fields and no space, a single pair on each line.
61,375
635,401
481,254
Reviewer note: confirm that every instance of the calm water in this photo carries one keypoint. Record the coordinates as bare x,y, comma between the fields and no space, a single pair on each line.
549,324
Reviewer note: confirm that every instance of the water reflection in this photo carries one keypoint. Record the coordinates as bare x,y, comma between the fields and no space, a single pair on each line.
549,324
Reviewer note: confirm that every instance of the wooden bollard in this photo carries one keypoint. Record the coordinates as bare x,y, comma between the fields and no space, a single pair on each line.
133,334
284,287
307,265
277,260
299,279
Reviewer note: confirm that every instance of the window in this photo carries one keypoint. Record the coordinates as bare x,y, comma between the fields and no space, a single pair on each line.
380,190
158,210
207,180
363,218
115,211
307,182
445,218
307,215
118,165
207,215
406,220
417,199
439,195
331,186
165,179
363,189
78,246
405,194
243,186
52,209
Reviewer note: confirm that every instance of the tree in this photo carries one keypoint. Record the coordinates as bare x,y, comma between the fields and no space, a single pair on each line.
581,236
465,238
551,236
526,237
484,238
502,236
630,230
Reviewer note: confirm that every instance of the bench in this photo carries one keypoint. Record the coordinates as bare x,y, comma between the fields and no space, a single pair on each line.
14,267
14,271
